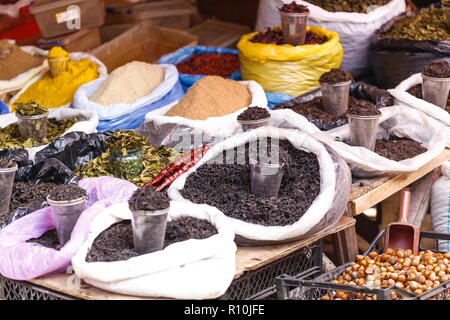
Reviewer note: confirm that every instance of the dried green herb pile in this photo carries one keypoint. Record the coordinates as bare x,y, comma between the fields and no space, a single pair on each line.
359,6
10,137
123,140
429,24
31,108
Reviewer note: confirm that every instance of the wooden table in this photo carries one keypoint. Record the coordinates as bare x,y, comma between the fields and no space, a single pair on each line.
248,259
367,193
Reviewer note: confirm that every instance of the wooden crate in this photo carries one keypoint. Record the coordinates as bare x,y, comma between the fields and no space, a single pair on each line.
80,41
218,33
141,42
170,14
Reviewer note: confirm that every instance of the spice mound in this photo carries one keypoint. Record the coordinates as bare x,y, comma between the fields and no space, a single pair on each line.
398,149
227,187
49,239
58,91
417,92
116,242
439,69
148,200
360,6
14,61
30,109
67,192
415,273
5,163
294,8
211,96
335,75
275,36
213,64
126,140
10,137
254,113
128,83
361,107
428,24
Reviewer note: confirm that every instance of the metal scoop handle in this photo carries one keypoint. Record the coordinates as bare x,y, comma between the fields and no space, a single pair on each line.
405,201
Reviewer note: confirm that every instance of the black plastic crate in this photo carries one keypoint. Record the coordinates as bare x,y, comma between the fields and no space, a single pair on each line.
260,283
302,288
22,290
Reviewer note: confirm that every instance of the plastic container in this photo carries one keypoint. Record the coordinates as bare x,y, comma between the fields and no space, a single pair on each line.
65,16
149,230
435,90
265,178
34,127
335,97
363,130
253,124
6,185
65,215
293,26
58,65
127,166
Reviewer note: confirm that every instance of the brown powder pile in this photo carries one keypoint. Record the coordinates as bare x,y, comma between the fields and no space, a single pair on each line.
211,96
14,61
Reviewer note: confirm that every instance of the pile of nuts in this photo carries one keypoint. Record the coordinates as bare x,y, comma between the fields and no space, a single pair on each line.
400,268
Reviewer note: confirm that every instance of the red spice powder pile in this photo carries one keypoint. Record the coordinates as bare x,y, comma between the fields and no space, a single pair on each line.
212,64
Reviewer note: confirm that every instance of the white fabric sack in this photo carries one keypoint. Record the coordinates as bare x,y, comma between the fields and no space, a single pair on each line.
87,122
440,206
81,98
76,56
406,99
222,127
355,29
22,79
311,217
400,121
191,269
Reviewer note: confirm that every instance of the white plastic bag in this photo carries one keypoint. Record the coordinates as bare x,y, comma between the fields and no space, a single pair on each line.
440,206
400,121
355,29
22,79
310,219
87,122
81,98
220,127
191,269
406,99
76,56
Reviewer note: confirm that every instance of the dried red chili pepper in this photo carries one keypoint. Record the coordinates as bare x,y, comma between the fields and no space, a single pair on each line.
293,8
275,36
213,64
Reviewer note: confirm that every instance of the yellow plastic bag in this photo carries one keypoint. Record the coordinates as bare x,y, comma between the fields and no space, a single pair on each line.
289,69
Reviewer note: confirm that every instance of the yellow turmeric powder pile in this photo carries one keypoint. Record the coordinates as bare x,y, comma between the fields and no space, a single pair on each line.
58,91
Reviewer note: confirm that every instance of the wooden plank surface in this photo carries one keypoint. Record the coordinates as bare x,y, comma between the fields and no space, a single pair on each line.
247,259
375,190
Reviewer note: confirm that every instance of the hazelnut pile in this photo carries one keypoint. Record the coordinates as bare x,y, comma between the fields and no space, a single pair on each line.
400,268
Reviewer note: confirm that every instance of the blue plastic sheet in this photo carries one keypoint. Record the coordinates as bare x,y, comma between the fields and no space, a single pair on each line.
136,118
274,98
3,108
182,54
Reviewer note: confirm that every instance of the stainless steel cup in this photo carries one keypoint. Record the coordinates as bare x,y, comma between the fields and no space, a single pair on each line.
265,178
363,130
335,97
253,124
65,215
435,90
149,230
293,26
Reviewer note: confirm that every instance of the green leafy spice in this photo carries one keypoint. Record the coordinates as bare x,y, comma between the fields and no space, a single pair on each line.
31,108
429,24
10,137
360,6
126,140
154,159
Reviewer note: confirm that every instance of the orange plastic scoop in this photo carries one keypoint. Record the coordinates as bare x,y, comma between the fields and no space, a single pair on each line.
403,234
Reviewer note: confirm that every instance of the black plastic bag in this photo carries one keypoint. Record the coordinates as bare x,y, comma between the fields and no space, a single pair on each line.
49,170
74,149
394,60
20,156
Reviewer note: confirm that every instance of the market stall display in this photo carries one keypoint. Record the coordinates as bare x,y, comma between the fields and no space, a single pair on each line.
440,206
354,21
407,44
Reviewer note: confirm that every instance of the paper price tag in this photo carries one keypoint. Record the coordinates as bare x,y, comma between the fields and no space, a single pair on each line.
68,15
